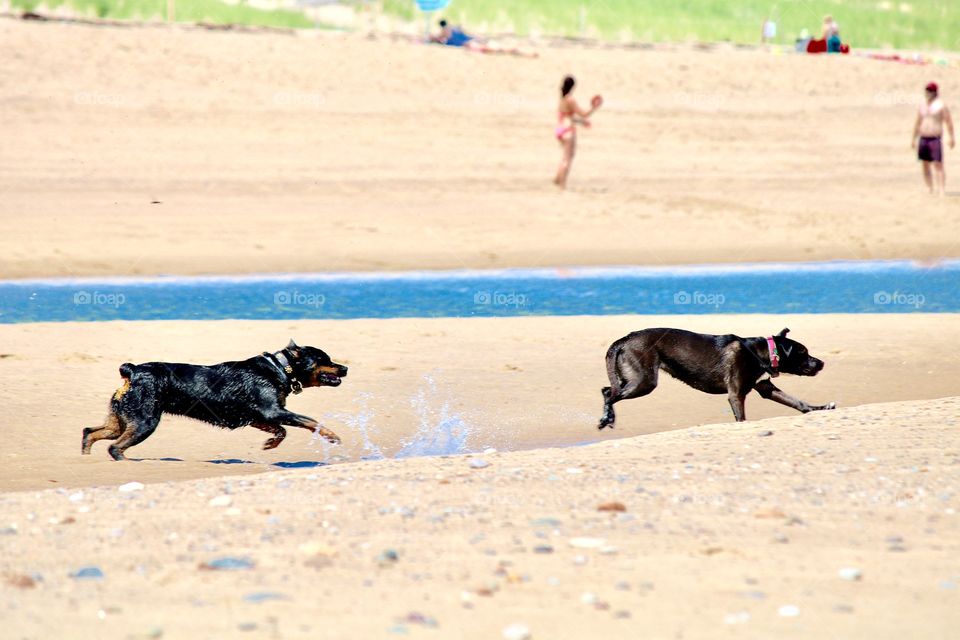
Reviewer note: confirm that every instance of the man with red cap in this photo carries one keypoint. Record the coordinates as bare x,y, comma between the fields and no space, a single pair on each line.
927,133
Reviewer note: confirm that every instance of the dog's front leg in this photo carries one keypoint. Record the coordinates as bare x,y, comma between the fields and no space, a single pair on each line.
770,391
306,422
737,402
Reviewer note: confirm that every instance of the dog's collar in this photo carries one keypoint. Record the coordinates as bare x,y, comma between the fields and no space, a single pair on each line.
282,364
774,357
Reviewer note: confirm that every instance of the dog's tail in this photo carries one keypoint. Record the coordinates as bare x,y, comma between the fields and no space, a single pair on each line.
126,372
613,367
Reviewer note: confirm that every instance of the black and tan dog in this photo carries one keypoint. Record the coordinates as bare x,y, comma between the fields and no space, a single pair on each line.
250,392
713,364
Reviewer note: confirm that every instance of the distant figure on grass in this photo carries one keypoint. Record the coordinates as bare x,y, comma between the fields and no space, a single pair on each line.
831,34
927,134
569,115
456,37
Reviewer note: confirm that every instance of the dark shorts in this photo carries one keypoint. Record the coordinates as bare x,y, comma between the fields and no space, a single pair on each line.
930,150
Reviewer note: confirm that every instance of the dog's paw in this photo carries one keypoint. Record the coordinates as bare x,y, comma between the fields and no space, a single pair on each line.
272,443
330,436
830,405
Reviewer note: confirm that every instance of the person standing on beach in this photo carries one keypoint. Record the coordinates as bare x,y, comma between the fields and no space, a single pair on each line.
569,115
927,138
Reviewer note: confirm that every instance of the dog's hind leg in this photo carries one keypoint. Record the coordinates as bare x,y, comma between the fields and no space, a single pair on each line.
770,391
631,376
111,429
306,422
279,433
135,433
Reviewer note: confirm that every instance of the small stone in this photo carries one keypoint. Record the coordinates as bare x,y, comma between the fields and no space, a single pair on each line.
764,434
21,581
545,522
399,629
579,560
543,548
130,486
623,585
587,543
780,538
789,611
479,463
736,618
247,626
850,573
489,451
589,598
612,507
76,497
388,557
87,573
228,563
842,608
264,596
220,501
516,632
622,614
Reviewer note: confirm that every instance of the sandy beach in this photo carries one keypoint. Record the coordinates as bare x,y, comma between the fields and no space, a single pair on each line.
836,524
473,496
153,150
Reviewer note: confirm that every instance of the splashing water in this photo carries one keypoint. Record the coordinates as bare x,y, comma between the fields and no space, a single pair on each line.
440,432
361,422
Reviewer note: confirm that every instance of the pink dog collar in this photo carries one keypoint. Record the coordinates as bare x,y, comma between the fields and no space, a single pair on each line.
774,357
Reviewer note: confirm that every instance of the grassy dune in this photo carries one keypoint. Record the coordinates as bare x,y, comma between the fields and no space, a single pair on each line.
213,11
927,24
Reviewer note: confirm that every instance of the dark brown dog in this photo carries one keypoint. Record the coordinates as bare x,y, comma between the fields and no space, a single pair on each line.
250,392
713,364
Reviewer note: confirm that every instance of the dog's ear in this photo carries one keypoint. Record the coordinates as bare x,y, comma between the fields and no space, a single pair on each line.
293,345
783,334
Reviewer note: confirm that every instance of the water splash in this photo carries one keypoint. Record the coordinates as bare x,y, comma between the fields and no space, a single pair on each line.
360,422
441,432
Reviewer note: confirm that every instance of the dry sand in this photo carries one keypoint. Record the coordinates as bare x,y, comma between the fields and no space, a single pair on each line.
151,150
723,531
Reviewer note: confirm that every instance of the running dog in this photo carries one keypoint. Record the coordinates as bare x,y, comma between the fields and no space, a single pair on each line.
250,392
713,364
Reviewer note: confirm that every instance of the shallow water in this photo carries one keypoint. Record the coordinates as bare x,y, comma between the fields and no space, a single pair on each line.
828,287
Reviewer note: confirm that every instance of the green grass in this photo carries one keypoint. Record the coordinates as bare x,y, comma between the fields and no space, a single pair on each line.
906,24
212,11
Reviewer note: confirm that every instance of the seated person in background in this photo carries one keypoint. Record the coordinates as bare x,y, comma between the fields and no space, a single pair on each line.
451,36
456,37
831,34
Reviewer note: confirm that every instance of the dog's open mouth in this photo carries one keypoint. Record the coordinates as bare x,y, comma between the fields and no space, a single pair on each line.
328,379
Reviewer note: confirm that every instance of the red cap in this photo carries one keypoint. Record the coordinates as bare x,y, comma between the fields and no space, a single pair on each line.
932,87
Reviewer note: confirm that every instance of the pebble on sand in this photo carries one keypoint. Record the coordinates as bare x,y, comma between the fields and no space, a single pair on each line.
850,573
228,563
87,573
789,611
517,632
587,543
130,486
220,501
479,463
612,506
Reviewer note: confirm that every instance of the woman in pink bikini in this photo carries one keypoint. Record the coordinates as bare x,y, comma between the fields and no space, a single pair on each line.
569,115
